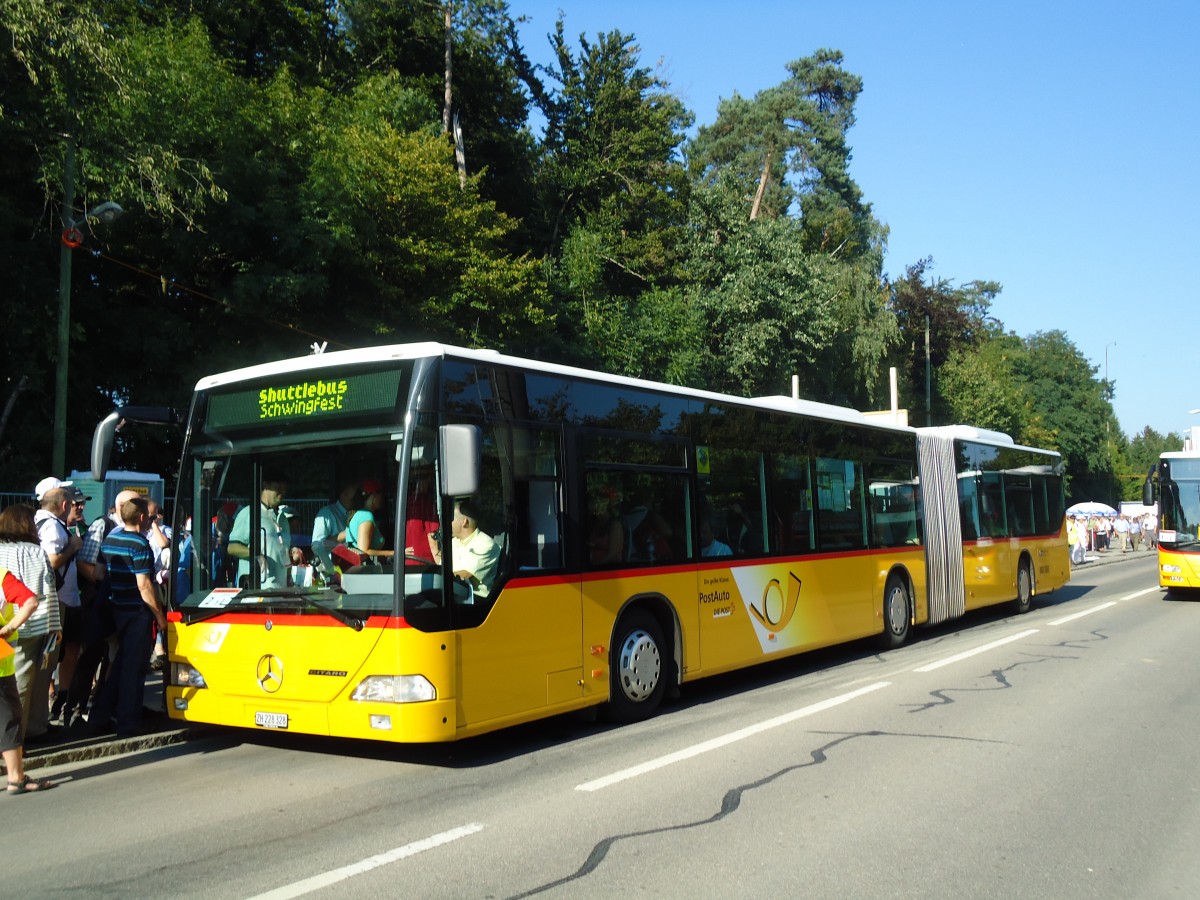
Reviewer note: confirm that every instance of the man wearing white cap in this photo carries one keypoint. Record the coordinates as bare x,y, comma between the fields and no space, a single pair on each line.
49,484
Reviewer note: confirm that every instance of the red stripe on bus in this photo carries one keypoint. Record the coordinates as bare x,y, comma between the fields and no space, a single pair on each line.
294,617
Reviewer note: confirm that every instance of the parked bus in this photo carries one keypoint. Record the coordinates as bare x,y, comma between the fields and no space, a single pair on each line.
642,536
1178,480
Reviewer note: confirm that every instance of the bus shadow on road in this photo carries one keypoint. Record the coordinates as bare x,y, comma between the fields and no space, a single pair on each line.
1065,594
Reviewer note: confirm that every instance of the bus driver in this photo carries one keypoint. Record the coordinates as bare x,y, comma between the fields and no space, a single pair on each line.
275,536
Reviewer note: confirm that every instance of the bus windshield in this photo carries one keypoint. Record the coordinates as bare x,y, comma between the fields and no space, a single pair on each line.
281,470
306,497
1180,491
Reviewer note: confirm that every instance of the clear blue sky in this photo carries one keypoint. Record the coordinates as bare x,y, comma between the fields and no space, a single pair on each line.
1049,146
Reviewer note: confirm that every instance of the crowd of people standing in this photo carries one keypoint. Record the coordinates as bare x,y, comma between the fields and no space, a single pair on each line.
79,610
1102,534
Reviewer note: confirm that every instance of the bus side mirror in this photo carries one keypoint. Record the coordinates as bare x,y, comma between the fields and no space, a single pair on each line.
1148,493
102,443
102,437
461,459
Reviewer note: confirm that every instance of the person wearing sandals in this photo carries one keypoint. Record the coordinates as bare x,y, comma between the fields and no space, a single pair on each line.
21,553
17,604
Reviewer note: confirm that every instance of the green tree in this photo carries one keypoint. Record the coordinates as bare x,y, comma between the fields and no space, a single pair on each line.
611,192
957,320
787,146
274,206
1043,392
425,256
1139,455
408,38
70,82
770,309
254,39
983,387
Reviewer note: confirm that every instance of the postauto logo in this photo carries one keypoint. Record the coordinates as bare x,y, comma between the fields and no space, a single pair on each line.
771,605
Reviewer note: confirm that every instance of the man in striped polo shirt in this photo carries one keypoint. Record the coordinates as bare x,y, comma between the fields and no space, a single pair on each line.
133,603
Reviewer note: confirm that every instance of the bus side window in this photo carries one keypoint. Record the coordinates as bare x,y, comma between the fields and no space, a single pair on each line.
534,525
789,500
840,509
994,521
733,493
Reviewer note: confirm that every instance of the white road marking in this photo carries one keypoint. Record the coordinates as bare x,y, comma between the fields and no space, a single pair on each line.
726,739
308,885
1086,612
1149,590
967,654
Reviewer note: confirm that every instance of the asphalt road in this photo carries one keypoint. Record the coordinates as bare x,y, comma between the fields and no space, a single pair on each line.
1050,754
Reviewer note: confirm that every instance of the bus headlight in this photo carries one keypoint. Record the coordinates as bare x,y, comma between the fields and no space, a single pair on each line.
1174,570
395,689
184,675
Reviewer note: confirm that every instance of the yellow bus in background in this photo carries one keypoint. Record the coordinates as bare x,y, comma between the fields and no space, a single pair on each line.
1178,480
640,536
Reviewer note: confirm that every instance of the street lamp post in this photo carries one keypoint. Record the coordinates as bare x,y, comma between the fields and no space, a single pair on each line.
71,238
1107,386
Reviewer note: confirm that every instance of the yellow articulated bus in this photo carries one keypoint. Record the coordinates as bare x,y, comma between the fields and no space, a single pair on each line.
544,539
1178,479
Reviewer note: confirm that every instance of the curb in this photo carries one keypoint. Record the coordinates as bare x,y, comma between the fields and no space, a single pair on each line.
43,756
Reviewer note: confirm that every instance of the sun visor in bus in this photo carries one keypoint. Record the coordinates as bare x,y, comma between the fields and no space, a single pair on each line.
461,459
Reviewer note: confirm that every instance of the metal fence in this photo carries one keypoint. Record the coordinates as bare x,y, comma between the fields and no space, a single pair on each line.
8,498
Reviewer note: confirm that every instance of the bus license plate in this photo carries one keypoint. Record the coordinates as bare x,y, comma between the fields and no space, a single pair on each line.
271,720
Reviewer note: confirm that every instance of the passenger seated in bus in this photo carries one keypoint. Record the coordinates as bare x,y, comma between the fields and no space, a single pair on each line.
474,556
363,534
709,545
606,540
970,531
421,519
330,521
744,534
650,531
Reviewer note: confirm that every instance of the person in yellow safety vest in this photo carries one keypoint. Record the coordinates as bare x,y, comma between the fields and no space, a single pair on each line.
17,603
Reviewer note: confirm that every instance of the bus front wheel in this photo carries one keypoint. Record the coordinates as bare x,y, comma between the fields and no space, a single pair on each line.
897,614
636,668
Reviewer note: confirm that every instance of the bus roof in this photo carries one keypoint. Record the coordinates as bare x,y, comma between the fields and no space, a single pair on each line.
431,349
982,436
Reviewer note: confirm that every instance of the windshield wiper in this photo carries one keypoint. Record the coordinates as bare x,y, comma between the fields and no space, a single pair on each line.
308,598
272,597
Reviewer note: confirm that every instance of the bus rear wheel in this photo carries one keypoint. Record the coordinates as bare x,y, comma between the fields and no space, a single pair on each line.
1024,587
636,668
897,613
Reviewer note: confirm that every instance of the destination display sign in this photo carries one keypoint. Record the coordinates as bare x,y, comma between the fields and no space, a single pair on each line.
306,399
